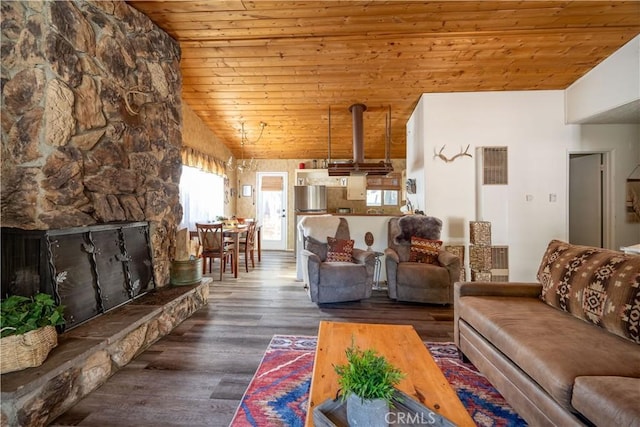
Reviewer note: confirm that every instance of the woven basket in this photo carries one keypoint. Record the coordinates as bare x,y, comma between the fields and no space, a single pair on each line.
480,258
480,233
18,352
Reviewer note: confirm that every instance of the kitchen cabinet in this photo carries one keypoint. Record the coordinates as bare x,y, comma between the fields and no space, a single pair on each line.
317,177
388,182
357,187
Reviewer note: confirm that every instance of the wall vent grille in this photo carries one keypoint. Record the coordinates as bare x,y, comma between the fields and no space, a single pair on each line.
499,263
494,166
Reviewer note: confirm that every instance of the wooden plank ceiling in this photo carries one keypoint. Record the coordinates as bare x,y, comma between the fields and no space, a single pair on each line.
285,63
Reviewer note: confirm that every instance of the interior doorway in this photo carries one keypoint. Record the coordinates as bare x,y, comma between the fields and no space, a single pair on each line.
272,209
588,193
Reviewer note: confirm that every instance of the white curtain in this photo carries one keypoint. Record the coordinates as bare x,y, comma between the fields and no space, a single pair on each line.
201,196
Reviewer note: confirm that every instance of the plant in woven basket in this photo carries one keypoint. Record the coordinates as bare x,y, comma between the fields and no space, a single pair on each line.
27,326
19,314
367,382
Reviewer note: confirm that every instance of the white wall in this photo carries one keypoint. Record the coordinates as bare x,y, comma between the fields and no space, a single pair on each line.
415,155
613,83
531,124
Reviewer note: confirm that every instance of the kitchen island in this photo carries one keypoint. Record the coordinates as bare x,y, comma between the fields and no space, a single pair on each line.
359,225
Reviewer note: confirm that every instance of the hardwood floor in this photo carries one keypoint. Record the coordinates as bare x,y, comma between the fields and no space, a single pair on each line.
196,375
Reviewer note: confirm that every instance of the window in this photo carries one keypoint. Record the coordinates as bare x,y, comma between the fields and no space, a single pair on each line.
382,197
201,196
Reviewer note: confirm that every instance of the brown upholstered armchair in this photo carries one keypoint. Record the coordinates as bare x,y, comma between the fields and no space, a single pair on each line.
419,281
330,275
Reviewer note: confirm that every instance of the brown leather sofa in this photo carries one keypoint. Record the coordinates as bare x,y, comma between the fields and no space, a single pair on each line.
565,350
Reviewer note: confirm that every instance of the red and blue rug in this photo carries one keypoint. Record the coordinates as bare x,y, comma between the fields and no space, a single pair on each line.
279,391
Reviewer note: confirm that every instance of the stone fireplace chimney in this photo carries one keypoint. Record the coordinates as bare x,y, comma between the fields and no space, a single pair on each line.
91,120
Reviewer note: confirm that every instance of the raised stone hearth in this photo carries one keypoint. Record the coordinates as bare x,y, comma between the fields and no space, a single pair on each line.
89,354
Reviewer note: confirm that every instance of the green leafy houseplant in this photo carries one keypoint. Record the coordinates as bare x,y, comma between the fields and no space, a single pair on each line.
19,314
368,375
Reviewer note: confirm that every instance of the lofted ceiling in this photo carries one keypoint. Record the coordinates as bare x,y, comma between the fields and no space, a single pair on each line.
286,63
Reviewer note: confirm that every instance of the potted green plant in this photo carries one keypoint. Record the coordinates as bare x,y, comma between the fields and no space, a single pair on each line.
367,383
27,330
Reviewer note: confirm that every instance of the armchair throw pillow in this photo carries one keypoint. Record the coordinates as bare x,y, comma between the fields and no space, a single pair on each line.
424,250
339,250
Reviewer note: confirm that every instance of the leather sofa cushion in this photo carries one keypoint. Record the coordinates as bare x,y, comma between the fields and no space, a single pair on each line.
519,328
606,401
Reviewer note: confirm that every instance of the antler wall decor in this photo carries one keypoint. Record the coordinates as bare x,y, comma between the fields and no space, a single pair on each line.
446,159
134,91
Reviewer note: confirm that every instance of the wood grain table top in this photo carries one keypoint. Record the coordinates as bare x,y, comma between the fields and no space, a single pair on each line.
403,348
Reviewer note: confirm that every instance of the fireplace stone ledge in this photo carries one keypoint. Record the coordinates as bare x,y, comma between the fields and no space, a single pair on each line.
89,354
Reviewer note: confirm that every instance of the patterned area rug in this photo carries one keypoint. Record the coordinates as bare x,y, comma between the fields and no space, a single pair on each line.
278,393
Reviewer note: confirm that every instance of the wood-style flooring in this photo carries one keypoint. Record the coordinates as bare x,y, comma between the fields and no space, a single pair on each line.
196,375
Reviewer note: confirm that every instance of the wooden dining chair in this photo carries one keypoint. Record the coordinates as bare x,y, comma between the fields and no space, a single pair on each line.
211,238
247,245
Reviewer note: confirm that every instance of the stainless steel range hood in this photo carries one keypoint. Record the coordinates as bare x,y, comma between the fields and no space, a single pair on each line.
358,166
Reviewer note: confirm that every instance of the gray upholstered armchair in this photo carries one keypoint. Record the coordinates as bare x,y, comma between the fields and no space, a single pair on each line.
419,281
329,277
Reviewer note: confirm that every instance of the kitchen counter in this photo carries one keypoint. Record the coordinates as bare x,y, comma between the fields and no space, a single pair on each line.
367,214
348,214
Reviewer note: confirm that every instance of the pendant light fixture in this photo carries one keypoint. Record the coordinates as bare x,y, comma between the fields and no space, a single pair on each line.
244,165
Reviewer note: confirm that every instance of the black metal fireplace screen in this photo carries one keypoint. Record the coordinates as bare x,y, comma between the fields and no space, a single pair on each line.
89,270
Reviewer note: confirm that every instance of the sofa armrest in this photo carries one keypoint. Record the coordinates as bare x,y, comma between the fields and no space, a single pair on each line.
361,256
452,263
311,272
497,289
392,255
392,259
447,259
368,259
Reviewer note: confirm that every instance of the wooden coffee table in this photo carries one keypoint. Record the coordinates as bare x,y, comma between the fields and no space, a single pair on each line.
402,347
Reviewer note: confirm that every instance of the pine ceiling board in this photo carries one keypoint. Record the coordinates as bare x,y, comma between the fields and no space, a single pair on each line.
236,27
154,8
343,92
290,91
359,64
212,31
413,44
320,62
417,37
328,74
399,14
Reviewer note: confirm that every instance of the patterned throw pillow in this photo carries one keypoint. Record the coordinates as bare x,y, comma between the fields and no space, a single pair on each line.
596,285
424,250
339,250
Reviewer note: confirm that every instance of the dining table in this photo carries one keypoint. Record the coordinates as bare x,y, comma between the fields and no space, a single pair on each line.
234,231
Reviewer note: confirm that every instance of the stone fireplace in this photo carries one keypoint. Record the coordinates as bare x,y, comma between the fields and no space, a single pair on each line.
91,120
91,138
